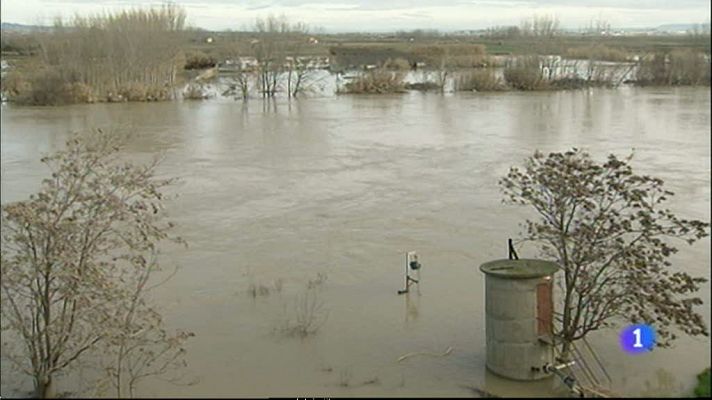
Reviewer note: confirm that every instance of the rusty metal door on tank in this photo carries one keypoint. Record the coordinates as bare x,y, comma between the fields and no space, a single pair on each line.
544,308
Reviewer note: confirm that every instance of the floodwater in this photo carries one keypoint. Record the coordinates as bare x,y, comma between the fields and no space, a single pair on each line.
324,83
336,190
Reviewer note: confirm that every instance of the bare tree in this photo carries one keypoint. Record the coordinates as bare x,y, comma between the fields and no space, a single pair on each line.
268,50
545,26
243,74
299,72
277,49
141,347
242,81
299,76
599,26
73,259
609,232
443,71
309,314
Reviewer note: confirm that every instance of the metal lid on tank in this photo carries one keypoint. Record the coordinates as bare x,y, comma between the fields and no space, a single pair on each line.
519,269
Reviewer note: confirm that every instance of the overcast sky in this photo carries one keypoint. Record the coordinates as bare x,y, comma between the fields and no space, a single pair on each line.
386,15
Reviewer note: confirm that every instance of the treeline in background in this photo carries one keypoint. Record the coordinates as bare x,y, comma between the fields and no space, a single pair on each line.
150,54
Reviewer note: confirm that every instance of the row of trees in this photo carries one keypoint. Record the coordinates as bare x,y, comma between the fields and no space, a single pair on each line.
542,26
545,26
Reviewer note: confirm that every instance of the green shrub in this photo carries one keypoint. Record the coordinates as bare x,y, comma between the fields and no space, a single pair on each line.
703,384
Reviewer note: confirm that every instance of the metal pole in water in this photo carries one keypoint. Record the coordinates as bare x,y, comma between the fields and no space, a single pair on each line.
569,381
407,280
411,262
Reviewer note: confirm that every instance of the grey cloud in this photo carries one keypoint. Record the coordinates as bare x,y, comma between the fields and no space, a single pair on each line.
373,14
410,4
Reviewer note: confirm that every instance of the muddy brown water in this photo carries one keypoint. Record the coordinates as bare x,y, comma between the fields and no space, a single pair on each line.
342,187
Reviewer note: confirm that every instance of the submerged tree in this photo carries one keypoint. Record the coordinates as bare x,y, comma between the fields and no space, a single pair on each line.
277,50
75,262
608,230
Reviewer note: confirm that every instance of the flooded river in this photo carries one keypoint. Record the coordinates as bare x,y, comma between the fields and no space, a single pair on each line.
335,190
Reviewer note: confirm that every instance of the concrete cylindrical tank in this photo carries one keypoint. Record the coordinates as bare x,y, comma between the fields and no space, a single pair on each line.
519,317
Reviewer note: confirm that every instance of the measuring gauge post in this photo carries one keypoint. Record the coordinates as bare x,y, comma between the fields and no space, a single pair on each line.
413,262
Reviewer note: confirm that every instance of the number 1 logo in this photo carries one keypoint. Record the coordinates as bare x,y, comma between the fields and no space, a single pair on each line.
637,338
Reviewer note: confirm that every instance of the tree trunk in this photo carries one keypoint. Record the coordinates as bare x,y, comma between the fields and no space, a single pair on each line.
44,387
565,354
289,82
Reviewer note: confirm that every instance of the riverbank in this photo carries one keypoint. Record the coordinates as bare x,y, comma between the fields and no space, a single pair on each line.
289,63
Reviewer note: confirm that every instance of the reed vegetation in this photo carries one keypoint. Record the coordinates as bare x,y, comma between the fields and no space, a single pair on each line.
377,81
525,74
479,80
131,55
677,68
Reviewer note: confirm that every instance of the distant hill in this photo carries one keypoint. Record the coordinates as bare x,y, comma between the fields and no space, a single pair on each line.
12,27
675,27
670,28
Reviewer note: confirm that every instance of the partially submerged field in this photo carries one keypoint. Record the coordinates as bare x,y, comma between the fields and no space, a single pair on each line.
88,60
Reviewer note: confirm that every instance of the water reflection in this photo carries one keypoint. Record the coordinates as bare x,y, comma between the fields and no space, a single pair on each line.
663,384
412,305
